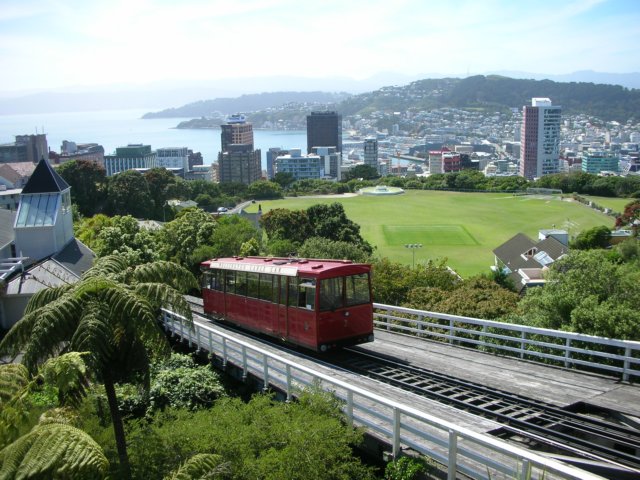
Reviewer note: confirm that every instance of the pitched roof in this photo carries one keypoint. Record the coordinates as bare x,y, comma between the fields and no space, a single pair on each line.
6,226
44,180
76,257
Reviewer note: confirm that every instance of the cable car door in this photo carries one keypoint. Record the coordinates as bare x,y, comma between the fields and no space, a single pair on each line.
282,328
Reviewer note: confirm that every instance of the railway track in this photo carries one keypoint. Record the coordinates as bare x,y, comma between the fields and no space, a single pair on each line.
605,447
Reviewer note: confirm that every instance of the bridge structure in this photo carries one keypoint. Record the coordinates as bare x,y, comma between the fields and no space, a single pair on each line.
457,441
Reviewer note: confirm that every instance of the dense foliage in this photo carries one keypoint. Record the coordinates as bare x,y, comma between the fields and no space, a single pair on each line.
592,292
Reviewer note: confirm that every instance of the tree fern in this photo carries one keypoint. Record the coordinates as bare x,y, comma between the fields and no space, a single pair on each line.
53,450
169,273
200,467
13,378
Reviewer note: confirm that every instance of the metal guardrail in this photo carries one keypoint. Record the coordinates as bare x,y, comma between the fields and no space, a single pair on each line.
575,350
463,451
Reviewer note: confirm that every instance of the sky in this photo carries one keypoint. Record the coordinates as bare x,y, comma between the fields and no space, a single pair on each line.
51,44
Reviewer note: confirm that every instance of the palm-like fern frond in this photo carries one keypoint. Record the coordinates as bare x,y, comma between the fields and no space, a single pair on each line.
161,295
68,373
200,467
169,273
45,297
13,378
107,266
53,450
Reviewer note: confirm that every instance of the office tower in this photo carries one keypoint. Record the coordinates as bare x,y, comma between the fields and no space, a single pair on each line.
173,157
237,131
371,153
300,166
540,139
238,161
331,161
272,154
324,129
26,148
134,155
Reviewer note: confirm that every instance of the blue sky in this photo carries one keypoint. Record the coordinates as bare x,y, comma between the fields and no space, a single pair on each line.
48,44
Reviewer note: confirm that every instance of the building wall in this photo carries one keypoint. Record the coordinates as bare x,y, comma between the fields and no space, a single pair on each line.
324,129
173,158
600,161
371,153
300,166
239,166
540,139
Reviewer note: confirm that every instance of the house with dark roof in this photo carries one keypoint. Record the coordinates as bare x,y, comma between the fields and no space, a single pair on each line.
525,260
40,251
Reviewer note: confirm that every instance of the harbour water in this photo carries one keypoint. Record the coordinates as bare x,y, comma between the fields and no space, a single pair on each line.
118,128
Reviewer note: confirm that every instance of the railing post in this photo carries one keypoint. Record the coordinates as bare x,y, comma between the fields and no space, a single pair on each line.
245,369
567,353
224,352
627,364
419,325
210,342
523,337
265,372
289,393
396,433
483,337
453,455
451,333
350,407
526,470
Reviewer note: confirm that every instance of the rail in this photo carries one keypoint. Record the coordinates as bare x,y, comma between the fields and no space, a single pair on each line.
461,450
571,350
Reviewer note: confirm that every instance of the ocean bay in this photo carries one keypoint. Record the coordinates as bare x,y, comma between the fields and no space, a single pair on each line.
116,128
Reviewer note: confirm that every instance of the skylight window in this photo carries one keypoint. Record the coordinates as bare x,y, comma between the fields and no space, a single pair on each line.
37,210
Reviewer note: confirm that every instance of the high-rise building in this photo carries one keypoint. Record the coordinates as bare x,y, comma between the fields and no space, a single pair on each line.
300,166
371,153
173,157
272,154
324,129
597,161
330,160
238,161
237,131
26,148
540,138
134,155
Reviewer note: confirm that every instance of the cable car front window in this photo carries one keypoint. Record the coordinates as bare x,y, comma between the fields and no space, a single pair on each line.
331,293
357,289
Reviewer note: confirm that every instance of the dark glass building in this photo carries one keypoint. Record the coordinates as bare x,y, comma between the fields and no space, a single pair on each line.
324,129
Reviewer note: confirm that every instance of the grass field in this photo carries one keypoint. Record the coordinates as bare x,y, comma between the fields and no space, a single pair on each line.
615,204
463,227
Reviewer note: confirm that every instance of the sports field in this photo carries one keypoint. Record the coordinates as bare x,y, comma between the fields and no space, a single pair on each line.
463,227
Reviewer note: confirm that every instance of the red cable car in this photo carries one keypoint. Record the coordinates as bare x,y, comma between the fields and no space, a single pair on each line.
318,304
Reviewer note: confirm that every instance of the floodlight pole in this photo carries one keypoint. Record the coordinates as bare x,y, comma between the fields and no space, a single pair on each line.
413,247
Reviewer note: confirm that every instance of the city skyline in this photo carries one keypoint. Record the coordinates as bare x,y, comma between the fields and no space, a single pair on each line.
47,44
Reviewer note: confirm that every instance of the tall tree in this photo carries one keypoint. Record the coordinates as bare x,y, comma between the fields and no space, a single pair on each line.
88,182
129,195
110,313
163,185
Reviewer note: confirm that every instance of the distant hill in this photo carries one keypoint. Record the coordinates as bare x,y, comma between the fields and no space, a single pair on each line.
248,103
608,102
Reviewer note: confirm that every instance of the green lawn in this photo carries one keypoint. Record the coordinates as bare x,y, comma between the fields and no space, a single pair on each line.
463,227
615,204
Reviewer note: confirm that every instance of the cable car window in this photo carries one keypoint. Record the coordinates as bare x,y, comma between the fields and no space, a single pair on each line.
283,291
218,280
357,289
207,280
307,293
253,284
230,282
293,292
331,293
241,283
266,287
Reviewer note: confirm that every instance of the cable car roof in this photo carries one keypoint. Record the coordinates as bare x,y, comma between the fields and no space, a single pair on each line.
278,266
